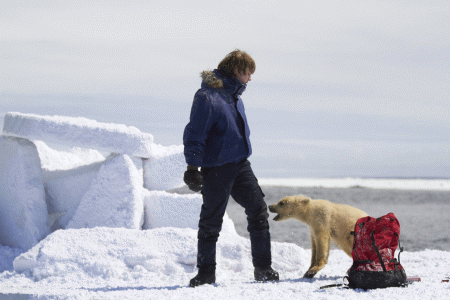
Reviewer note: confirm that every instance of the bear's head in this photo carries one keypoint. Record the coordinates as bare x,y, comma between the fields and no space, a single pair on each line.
290,207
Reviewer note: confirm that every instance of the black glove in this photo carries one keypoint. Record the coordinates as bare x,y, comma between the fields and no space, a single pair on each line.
194,180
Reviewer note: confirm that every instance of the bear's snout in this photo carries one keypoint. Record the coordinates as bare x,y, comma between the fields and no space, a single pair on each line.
272,208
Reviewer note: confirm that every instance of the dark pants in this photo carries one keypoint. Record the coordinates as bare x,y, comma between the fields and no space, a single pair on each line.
238,181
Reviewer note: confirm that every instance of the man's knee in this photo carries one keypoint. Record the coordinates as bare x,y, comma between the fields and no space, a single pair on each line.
259,222
208,233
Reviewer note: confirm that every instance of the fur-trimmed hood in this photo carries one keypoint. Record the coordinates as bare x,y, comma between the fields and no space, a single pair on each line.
217,79
210,79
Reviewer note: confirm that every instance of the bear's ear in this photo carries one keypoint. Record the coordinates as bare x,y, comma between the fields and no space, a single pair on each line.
305,201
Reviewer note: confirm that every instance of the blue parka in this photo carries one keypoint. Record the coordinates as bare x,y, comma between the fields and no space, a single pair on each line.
217,132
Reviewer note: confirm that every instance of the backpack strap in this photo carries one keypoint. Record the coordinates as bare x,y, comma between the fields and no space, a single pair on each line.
394,260
399,247
331,285
345,285
376,250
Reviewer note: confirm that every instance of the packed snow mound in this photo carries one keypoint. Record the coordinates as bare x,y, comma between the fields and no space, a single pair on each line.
110,253
105,254
81,132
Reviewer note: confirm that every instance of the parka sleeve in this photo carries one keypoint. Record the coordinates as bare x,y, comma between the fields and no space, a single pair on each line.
197,130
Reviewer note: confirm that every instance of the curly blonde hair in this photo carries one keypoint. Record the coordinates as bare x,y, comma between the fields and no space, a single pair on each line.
239,59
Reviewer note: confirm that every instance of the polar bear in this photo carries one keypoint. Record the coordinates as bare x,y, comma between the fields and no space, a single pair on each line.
326,221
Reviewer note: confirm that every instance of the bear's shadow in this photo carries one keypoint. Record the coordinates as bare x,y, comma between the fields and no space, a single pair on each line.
310,280
321,278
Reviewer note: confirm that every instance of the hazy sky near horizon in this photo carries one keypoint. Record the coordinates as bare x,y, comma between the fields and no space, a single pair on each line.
385,62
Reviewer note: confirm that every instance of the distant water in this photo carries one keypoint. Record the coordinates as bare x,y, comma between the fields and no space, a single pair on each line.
424,214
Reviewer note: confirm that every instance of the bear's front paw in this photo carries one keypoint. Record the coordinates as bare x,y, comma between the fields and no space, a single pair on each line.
310,274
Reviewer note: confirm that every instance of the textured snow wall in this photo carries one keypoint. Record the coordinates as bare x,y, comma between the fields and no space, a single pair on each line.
79,132
114,198
165,168
23,210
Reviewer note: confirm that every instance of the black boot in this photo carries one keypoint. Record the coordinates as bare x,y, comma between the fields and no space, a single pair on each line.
205,275
266,273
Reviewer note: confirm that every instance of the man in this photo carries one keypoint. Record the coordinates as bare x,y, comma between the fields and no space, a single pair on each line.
217,140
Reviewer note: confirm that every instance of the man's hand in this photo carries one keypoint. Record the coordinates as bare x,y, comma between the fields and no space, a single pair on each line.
193,178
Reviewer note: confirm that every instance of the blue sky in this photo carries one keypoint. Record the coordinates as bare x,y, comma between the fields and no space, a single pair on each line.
341,88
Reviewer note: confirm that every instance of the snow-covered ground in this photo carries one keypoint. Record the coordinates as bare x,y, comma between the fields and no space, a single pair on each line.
116,263
145,245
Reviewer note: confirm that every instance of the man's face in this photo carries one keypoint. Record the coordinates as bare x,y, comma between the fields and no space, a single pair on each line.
243,77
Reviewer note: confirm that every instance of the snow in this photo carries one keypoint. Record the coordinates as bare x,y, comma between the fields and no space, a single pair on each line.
22,196
119,263
121,235
52,160
376,183
66,188
80,131
181,211
114,198
164,169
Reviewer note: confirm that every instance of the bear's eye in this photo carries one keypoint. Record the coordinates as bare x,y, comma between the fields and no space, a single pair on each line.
282,203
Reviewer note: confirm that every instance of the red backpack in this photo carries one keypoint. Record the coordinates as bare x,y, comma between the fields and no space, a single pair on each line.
374,265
